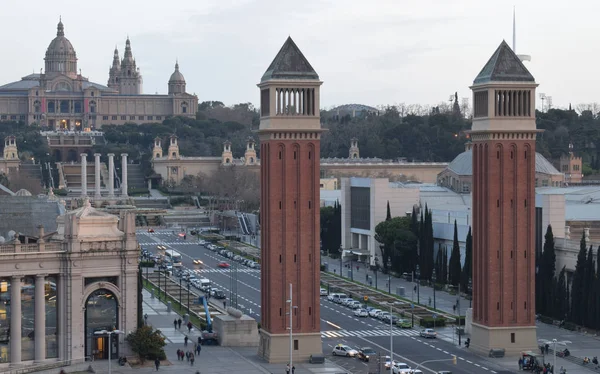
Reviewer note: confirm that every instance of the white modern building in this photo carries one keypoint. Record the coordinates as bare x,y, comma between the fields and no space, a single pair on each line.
364,205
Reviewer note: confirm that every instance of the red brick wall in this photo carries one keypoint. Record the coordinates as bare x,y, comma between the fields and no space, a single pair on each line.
503,231
290,233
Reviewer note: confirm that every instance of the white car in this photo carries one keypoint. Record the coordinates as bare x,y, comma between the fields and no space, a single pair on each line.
323,292
374,312
354,305
388,362
346,301
401,368
344,350
428,333
361,313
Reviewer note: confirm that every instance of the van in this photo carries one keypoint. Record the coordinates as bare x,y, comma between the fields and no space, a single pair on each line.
337,297
205,284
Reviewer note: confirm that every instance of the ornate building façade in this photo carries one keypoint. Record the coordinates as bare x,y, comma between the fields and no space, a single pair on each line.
62,99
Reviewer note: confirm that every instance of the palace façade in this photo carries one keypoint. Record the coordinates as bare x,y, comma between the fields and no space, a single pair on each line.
62,99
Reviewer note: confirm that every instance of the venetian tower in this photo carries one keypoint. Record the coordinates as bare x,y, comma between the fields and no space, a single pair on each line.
290,133
157,151
503,144
250,154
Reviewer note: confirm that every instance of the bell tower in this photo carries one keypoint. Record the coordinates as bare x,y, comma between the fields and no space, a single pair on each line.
503,145
227,155
157,151
173,148
10,148
250,154
354,153
290,133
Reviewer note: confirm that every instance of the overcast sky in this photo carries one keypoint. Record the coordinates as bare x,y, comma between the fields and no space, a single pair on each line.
370,52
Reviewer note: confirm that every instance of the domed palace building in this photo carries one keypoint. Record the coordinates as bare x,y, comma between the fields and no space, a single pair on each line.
62,99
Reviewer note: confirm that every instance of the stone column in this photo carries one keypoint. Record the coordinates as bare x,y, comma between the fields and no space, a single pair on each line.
124,174
97,175
83,175
111,175
40,318
15,319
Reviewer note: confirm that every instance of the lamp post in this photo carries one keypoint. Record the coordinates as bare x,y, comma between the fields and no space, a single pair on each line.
412,303
418,271
292,307
188,299
554,342
180,289
110,334
376,268
391,334
434,278
389,264
351,266
458,308
341,250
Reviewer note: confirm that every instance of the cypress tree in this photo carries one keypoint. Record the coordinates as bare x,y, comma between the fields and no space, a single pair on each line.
577,295
388,217
429,242
588,290
454,268
467,271
414,222
560,296
422,249
547,271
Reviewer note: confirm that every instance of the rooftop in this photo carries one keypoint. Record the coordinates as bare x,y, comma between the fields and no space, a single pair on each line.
290,63
504,66
463,164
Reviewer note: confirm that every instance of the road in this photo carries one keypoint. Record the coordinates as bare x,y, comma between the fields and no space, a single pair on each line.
338,324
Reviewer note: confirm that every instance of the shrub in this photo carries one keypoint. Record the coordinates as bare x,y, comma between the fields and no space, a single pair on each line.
60,192
322,267
147,343
147,264
428,322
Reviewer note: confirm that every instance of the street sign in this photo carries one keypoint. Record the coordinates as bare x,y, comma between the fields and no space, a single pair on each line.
366,298
434,316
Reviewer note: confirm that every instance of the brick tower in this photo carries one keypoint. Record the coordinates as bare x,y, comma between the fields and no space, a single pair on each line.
290,133
503,137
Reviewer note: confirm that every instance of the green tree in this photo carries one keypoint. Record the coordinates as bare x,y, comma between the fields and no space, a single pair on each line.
589,318
467,271
454,266
147,343
327,213
547,273
398,243
578,298
389,212
140,298
561,303
429,244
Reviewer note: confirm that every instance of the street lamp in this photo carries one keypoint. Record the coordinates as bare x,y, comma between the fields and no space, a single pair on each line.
434,278
418,271
389,265
555,342
391,332
110,334
376,268
341,255
188,299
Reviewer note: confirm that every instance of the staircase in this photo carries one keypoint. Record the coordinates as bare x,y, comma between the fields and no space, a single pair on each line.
151,203
72,175
243,225
191,218
32,172
135,177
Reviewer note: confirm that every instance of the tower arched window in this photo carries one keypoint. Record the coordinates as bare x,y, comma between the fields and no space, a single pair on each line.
37,106
92,107
183,107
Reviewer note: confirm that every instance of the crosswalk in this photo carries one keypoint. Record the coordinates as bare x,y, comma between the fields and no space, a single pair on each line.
227,271
364,333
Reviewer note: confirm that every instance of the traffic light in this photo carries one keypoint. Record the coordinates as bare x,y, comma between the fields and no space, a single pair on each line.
454,360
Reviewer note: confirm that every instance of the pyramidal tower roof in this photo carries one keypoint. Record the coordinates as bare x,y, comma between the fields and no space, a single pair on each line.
290,63
504,66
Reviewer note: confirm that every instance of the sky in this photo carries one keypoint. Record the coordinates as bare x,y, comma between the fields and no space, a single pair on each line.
377,52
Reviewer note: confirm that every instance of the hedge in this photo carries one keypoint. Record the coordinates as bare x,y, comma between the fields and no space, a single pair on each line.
428,322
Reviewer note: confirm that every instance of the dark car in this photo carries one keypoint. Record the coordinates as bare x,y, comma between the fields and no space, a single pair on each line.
217,294
366,353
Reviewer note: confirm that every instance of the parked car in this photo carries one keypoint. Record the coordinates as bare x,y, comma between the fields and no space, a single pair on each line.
401,368
366,353
323,292
428,333
361,313
354,304
217,294
383,315
344,350
374,312
404,323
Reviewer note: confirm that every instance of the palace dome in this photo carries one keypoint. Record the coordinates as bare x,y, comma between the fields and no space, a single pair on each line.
177,76
60,55
60,45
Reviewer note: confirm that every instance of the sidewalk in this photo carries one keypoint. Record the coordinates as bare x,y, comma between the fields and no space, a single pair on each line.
212,359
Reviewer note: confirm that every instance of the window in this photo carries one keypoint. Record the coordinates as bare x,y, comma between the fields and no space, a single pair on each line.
92,107
309,310
295,344
576,167
105,118
51,108
544,182
13,117
158,118
123,118
132,118
64,106
149,118
22,117
114,118
141,118
465,188
512,337
78,107
481,104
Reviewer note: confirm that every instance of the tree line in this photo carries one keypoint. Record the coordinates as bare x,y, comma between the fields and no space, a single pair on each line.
578,304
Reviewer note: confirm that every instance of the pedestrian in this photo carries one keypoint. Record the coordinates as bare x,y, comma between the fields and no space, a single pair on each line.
185,340
547,348
224,304
178,356
189,326
179,323
287,369
454,308
157,363
293,369
187,356
195,347
198,350
520,363
192,358
181,354
146,319
175,323
429,300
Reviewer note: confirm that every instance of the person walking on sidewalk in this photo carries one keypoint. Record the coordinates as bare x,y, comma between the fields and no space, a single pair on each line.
198,350
189,326
187,356
192,358
178,354
185,340
175,323
287,369
179,323
157,363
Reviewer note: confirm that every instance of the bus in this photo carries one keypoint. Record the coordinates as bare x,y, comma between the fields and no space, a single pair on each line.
173,257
